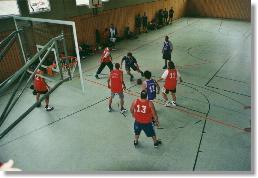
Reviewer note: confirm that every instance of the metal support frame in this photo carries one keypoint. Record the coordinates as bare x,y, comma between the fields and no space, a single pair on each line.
27,65
31,108
12,103
20,74
7,42
61,22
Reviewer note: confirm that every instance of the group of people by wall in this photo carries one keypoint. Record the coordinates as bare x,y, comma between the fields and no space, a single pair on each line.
110,36
162,17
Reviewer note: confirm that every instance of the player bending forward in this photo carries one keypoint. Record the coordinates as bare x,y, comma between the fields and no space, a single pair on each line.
116,84
41,87
143,111
131,63
171,76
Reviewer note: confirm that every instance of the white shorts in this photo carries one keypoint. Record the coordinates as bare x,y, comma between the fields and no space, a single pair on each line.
113,40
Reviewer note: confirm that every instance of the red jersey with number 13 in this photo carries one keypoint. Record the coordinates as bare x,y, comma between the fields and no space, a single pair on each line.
116,78
171,79
142,111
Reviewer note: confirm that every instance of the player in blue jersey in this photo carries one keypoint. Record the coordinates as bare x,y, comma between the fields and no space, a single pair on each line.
150,85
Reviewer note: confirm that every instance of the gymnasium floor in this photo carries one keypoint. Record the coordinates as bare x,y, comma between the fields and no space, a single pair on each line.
204,133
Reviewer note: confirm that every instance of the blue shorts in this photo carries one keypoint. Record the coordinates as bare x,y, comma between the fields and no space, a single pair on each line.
147,128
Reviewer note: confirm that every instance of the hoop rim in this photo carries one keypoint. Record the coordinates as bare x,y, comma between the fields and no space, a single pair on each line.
69,57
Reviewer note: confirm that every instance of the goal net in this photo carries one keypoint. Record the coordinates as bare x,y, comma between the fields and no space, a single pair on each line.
63,58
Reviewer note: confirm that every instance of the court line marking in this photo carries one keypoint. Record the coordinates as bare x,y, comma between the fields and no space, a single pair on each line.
195,115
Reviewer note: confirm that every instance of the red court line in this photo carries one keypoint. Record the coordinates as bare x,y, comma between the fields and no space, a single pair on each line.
195,115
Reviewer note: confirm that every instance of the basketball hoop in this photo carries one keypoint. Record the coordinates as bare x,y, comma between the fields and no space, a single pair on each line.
68,62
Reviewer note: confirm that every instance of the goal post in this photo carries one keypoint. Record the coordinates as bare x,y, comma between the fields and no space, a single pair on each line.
37,31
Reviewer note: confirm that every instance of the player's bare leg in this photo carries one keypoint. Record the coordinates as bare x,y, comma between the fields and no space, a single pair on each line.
131,76
174,99
109,104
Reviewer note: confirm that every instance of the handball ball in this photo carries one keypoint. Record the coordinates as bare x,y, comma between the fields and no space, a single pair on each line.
139,81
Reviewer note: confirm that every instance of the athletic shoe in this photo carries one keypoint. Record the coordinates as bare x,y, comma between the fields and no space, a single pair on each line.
123,110
110,109
135,142
167,104
38,105
157,143
49,108
173,103
97,77
164,67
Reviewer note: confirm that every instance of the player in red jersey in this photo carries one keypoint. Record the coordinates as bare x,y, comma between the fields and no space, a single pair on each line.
105,59
171,77
117,85
143,111
41,87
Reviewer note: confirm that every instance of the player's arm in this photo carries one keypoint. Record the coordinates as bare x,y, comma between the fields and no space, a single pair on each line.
144,85
158,87
164,75
135,62
154,113
122,79
171,46
179,78
121,66
132,108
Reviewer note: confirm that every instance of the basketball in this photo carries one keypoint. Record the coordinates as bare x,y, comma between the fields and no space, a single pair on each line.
139,81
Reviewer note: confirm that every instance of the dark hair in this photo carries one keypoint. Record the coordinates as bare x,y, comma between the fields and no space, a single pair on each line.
147,74
171,65
42,69
143,94
129,54
166,38
117,65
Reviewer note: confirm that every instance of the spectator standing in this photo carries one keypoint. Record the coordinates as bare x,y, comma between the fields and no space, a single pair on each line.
144,22
138,24
171,14
112,36
160,18
165,13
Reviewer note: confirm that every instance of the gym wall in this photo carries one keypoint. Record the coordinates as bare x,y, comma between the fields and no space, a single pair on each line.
227,9
11,61
122,17
119,12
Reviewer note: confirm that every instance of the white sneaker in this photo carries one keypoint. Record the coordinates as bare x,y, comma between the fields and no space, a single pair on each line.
49,108
173,103
123,110
167,104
